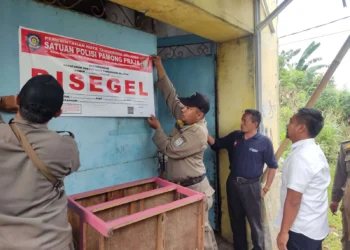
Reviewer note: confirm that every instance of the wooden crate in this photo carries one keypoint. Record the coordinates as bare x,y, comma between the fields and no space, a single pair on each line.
150,214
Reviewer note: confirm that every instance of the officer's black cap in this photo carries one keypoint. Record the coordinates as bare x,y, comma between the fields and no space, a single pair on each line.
44,91
197,100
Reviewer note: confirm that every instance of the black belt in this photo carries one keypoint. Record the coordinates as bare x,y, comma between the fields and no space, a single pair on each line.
241,180
192,181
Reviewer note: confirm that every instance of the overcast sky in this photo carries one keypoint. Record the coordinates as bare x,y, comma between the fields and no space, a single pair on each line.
303,14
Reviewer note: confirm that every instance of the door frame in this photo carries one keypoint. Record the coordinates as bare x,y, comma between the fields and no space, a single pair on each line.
183,40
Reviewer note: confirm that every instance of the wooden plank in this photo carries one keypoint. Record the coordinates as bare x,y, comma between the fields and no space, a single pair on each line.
103,195
161,225
93,200
102,243
83,231
114,213
140,189
129,199
115,195
138,236
183,190
127,220
201,212
133,190
92,238
113,188
177,196
182,234
163,183
132,208
188,192
142,205
161,199
74,221
149,186
89,217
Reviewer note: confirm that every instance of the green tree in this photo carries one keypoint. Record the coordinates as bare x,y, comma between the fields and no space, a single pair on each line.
298,80
302,65
299,77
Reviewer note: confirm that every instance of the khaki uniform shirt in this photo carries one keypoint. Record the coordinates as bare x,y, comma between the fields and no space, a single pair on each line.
341,174
186,145
33,215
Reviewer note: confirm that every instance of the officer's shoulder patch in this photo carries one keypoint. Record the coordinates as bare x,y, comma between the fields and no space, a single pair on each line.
178,142
202,131
194,127
69,133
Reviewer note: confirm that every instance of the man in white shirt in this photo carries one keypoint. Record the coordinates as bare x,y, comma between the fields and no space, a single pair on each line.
303,218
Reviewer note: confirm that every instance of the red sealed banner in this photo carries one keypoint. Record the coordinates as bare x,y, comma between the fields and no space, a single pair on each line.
97,80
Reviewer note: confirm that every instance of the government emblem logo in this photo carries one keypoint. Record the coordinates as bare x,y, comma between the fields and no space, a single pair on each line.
33,41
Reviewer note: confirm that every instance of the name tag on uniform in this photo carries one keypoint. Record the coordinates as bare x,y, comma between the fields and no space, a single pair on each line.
253,150
178,142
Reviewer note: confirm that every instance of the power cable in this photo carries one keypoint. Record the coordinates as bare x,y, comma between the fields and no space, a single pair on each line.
315,27
331,34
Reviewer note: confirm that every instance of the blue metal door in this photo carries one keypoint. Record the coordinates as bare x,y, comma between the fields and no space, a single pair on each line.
191,68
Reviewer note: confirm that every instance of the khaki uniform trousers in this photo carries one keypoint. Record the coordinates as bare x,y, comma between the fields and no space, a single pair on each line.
209,236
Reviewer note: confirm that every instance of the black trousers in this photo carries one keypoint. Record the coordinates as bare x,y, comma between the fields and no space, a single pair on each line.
301,242
244,201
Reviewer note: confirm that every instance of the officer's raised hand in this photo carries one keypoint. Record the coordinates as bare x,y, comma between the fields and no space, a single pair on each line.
153,122
157,61
9,104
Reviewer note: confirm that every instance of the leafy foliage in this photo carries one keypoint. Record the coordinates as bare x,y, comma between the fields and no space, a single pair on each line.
297,83
299,77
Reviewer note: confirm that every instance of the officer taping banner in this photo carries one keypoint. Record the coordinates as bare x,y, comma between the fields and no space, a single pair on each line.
97,80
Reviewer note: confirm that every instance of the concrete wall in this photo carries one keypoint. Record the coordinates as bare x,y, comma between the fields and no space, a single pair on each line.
217,20
112,150
236,12
271,208
270,111
120,150
236,92
167,30
270,93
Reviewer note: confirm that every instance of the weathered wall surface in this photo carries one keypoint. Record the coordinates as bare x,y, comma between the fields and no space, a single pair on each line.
112,150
